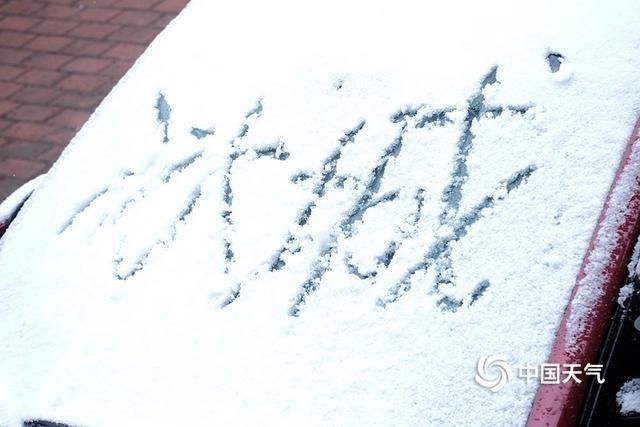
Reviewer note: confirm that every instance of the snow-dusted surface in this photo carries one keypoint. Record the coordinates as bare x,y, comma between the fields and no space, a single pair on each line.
632,268
628,397
319,214
11,204
590,286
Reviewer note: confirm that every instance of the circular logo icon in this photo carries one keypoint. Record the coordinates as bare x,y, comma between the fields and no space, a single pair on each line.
492,372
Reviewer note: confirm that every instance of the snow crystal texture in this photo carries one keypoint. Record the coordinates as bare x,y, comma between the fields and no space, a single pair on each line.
320,214
628,397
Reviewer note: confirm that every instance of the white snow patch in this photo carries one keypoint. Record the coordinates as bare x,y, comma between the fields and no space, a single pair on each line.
625,292
590,288
632,268
11,204
628,397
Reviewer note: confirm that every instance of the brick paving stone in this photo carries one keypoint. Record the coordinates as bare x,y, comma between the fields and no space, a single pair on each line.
87,65
171,6
8,184
58,12
6,106
32,113
3,125
21,7
77,100
125,51
62,2
10,72
138,5
135,17
72,119
60,136
13,56
8,88
54,27
49,43
20,168
163,21
82,82
29,131
36,95
24,150
66,2
139,34
94,30
117,68
51,61
39,77
83,47
18,23
52,154
97,14
14,39
58,59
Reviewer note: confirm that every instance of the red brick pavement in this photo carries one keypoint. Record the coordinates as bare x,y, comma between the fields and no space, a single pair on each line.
58,59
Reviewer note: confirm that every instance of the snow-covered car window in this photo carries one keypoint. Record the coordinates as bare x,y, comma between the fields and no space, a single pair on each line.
321,215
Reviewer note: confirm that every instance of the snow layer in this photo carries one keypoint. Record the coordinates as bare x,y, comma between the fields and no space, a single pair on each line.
627,290
320,214
591,286
628,397
11,204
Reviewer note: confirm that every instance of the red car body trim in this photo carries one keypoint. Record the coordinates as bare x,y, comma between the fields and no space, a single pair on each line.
559,405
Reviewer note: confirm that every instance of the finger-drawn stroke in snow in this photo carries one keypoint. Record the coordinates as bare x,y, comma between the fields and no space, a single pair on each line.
129,188
368,196
361,195
439,253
